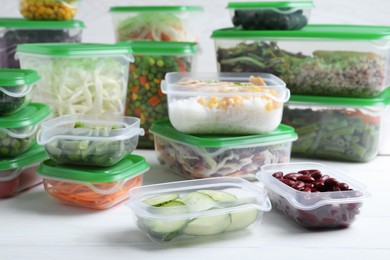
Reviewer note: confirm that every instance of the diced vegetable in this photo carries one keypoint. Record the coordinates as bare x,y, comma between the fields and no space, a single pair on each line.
48,9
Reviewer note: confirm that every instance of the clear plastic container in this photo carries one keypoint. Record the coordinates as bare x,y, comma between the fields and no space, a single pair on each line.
89,140
197,209
79,78
323,60
15,31
225,103
19,173
156,23
15,89
93,187
152,60
205,156
48,9
314,210
18,131
287,15
337,128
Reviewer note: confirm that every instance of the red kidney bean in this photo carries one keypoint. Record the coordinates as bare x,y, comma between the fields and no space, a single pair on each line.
288,182
278,175
305,178
330,182
309,185
316,175
343,186
292,176
298,185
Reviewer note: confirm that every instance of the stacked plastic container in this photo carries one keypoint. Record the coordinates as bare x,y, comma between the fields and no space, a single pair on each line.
19,123
163,39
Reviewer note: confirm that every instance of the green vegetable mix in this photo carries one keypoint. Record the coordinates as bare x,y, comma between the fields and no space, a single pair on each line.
12,145
10,104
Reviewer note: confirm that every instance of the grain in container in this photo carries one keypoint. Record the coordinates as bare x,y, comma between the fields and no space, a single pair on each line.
205,156
79,78
56,10
198,210
14,31
324,60
337,128
93,187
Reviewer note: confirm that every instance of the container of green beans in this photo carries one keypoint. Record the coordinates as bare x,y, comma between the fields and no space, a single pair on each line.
152,60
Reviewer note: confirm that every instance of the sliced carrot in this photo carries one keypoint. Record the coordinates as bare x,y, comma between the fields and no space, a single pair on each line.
154,100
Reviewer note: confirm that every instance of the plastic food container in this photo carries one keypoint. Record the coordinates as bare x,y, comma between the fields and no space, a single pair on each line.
197,209
316,210
204,156
48,9
89,140
79,78
18,131
93,187
287,15
152,60
346,129
224,103
14,31
15,89
323,60
156,23
19,173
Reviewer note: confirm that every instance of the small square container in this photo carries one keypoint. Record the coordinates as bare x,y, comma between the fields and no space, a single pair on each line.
286,15
79,78
189,211
57,10
319,59
314,210
16,89
89,140
15,31
18,131
18,174
205,156
225,103
93,187
337,128
152,60
156,23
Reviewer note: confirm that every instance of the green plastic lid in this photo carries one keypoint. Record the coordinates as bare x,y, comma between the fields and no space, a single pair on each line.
17,77
329,31
23,23
131,166
381,100
260,5
282,134
73,49
164,8
33,155
162,48
30,115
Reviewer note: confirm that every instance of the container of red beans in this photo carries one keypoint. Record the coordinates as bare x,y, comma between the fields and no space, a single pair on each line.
315,196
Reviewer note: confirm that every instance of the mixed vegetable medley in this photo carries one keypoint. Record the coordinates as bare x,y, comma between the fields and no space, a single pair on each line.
17,140
9,104
48,9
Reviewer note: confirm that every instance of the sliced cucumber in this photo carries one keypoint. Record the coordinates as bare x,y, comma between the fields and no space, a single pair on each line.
197,201
208,225
242,219
160,200
217,195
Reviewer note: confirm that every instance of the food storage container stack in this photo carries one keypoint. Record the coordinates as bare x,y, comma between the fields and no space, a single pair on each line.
152,60
91,162
222,124
338,76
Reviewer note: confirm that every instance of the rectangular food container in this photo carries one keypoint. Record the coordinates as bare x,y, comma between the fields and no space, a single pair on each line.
156,23
285,15
14,31
337,128
204,156
19,173
16,87
225,103
93,187
18,131
314,210
152,60
89,140
79,78
57,10
189,211
324,60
